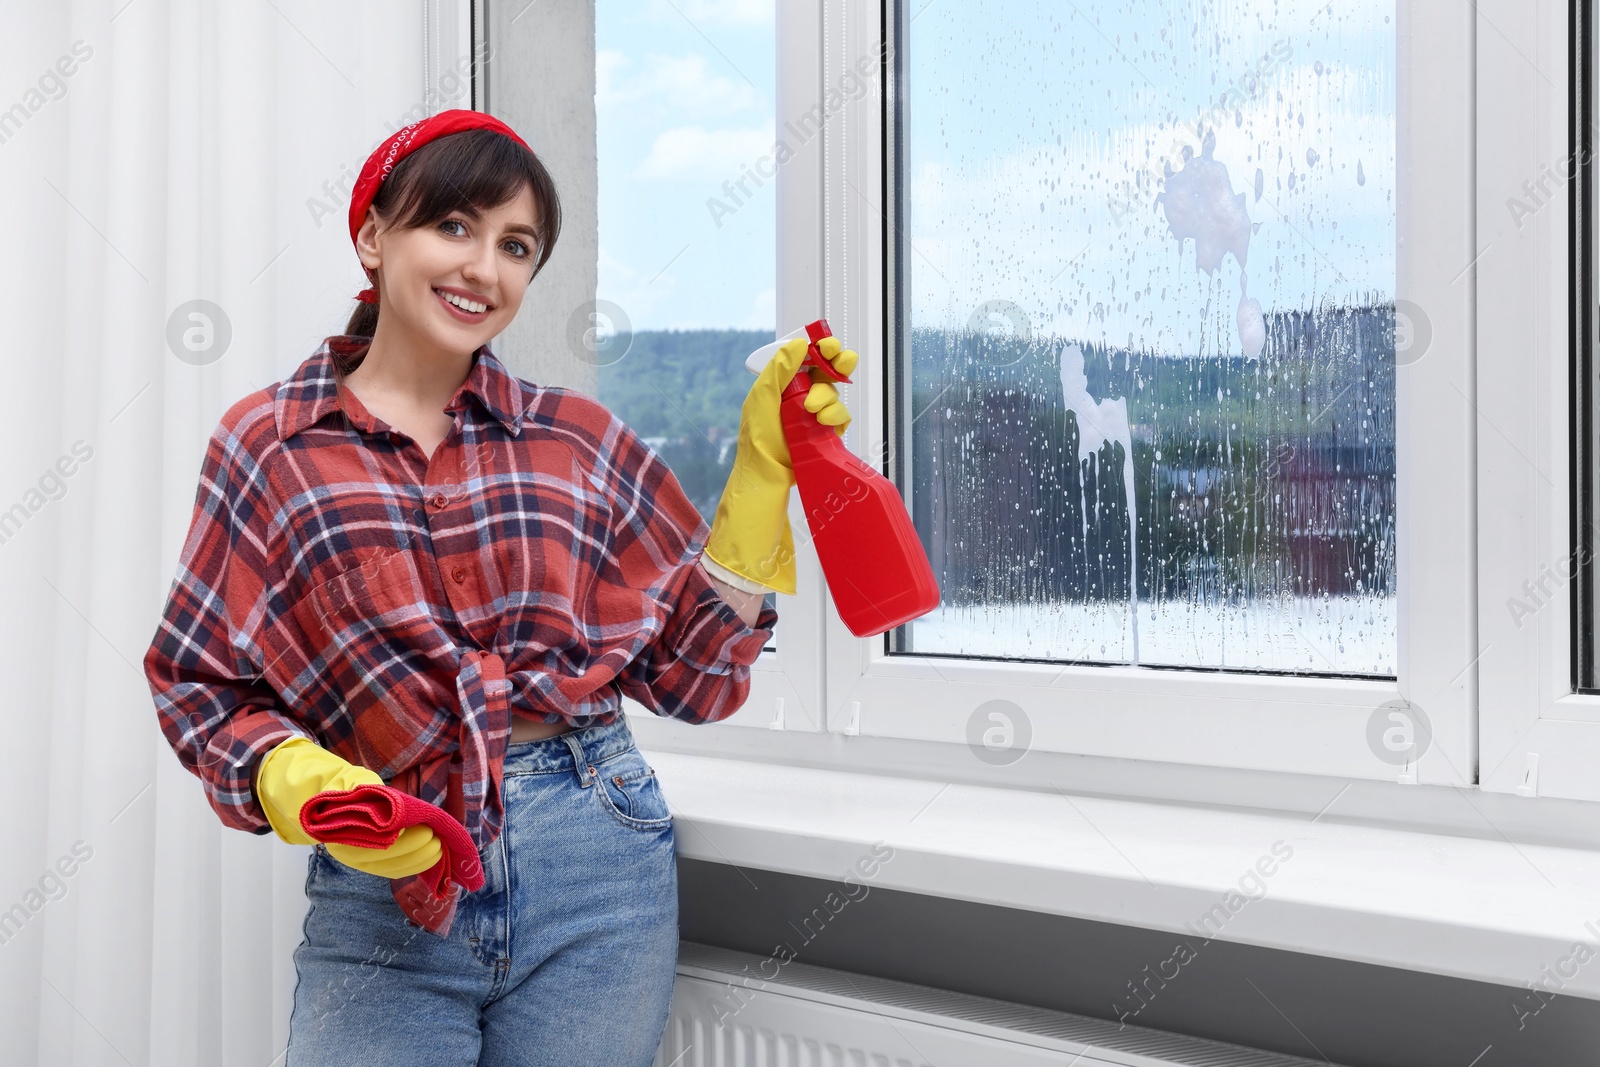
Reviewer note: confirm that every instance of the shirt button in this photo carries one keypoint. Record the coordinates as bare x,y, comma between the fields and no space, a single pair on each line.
459,574
438,500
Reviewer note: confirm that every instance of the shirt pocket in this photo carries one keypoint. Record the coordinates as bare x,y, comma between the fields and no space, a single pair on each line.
383,652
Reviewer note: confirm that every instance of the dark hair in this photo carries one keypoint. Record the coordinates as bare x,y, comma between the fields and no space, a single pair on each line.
471,171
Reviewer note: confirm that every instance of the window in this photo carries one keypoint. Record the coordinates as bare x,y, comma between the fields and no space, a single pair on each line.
1148,330
1302,548
684,110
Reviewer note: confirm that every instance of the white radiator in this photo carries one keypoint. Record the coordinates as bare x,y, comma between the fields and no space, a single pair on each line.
724,1015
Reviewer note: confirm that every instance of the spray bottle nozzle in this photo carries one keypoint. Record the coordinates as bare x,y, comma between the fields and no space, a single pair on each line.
813,332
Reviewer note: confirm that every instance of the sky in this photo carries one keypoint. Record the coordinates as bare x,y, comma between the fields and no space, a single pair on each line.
1039,136
685,101
1039,188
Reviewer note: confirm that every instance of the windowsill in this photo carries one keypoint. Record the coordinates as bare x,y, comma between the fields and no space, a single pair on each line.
1465,907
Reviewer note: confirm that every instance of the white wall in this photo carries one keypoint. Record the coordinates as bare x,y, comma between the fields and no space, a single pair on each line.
543,86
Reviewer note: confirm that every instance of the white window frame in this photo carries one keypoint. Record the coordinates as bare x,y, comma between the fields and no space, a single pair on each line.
787,683
1540,736
1272,723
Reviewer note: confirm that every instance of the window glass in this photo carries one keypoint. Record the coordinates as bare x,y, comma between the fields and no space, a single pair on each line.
684,105
1147,273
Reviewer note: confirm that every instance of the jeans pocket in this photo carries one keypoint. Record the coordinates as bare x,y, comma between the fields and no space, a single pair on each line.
321,864
329,874
631,793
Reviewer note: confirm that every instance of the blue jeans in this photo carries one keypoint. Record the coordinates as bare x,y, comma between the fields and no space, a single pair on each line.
565,958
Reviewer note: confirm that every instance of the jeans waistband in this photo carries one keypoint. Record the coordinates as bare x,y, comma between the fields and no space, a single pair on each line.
563,752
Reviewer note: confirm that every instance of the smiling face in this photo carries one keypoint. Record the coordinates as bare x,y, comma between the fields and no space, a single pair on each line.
457,283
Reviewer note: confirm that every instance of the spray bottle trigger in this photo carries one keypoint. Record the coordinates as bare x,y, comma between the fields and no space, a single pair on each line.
816,331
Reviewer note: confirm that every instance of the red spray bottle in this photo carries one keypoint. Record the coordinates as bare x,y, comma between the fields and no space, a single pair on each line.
871,556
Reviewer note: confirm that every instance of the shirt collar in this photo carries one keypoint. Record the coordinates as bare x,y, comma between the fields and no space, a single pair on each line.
311,393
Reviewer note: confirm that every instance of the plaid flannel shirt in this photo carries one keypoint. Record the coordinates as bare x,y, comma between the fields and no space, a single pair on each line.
394,608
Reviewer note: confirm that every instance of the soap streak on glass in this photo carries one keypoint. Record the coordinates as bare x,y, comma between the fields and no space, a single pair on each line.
1163,462
1102,422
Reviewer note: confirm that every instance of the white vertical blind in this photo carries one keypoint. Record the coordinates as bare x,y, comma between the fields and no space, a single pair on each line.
152,153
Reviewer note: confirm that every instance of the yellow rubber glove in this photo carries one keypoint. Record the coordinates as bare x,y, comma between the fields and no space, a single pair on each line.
298,769
750,534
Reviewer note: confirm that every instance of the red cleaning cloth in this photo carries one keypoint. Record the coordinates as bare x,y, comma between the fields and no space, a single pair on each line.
372,816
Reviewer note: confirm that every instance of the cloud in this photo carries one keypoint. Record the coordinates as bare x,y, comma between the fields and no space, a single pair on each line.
646,295
693,152
763,311
684,86
713,14
1034,225
610,65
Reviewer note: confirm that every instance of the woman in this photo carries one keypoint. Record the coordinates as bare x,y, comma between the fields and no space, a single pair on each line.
407,565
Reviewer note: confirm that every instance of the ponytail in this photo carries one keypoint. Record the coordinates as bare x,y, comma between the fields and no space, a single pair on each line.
363,321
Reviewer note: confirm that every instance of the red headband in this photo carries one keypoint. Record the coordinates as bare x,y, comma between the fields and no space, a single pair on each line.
406,140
